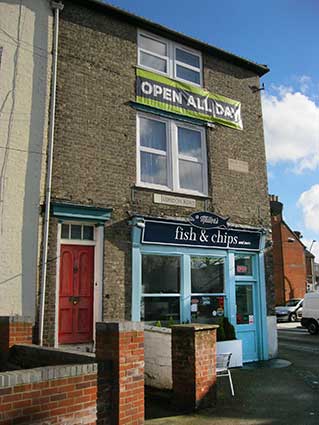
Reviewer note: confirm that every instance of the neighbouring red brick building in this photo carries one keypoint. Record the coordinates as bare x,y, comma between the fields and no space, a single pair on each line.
289,257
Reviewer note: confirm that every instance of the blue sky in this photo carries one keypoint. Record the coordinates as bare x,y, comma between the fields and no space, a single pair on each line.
284,34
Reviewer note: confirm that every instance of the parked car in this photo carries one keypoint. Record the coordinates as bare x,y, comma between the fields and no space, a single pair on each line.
310,312
289,311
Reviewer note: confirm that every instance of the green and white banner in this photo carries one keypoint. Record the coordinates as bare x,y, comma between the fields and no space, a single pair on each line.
163,93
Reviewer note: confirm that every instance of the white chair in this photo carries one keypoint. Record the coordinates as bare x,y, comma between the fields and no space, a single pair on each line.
222,368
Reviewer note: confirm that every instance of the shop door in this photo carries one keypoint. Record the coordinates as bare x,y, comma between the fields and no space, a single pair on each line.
246,320
76,294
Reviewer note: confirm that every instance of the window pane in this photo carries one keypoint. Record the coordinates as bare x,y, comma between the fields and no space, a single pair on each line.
244,301
204,309
153,134
187,74
153,45
186,57
190,175
65,231
243,265
189,142
160,274
153,168
153,62
76,231
88,233
207,275
165,309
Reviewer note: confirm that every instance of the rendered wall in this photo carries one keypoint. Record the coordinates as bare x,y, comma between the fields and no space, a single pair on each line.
158,357
24,95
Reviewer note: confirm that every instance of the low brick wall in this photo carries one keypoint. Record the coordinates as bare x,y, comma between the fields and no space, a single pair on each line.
13,330
32,356
49,395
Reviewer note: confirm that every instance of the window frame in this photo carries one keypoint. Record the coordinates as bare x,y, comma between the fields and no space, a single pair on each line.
172,155
171,47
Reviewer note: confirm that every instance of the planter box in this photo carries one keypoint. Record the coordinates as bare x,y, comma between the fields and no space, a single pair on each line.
233,346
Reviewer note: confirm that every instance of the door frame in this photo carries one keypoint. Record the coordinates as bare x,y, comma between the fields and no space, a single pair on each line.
98,272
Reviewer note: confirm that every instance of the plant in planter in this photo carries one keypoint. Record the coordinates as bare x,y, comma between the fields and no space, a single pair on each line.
226,331
227,342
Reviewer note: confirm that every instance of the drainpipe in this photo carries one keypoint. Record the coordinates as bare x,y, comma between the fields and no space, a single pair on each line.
56,6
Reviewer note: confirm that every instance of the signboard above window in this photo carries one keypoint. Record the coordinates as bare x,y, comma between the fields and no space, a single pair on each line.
175,233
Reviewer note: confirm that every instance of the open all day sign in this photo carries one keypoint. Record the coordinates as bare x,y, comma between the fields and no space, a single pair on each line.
164,93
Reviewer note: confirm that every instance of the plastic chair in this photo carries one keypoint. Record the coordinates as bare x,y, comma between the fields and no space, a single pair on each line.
222,368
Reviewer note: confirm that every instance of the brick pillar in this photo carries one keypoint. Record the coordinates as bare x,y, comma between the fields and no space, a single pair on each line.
194,365
121,345
14,330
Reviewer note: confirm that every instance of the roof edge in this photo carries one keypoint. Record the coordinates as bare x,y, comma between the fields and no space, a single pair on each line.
258,69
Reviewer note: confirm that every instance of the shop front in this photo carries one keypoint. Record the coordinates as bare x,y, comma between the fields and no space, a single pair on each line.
199,270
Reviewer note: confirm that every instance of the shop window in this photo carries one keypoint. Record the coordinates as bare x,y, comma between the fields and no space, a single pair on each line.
160,288
171,155
163,309
243,265
207,275
206,309
207,279
77,232
169,58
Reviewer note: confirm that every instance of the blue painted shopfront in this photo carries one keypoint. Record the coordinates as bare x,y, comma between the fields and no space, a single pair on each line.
184,281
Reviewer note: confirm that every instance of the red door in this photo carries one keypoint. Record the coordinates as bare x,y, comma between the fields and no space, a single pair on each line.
76,294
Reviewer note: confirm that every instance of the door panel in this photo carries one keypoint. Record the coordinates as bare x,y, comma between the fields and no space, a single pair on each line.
246,320
76,294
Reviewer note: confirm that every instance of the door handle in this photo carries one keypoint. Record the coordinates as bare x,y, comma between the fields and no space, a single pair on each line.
74,300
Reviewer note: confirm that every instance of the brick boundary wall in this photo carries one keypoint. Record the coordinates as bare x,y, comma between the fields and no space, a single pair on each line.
122,343
107,392
49,395
14,330
194,366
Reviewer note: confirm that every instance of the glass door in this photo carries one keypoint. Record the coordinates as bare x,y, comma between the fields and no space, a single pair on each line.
246,328
246,306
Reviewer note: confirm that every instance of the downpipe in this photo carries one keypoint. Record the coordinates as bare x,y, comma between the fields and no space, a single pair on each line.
57,7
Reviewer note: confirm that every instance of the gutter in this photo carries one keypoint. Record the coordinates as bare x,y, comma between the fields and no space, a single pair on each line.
56,6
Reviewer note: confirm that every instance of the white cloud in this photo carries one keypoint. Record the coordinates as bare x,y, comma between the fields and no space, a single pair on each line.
291,123
309,203
305,82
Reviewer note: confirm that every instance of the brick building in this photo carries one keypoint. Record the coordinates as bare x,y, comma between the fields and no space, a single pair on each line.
153,126
289,257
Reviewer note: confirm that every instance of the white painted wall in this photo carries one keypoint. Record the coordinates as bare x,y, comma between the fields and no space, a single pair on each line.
158,357
272,337
26,40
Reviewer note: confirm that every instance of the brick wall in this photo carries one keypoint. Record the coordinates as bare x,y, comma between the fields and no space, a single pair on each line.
122,343
194,365
95,144
110,391
52,395
295,278
13,330
289,263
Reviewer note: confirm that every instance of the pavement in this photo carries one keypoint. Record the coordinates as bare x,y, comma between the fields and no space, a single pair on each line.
276,392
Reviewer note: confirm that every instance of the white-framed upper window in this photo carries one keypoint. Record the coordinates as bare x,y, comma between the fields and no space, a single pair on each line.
171,155
169,58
